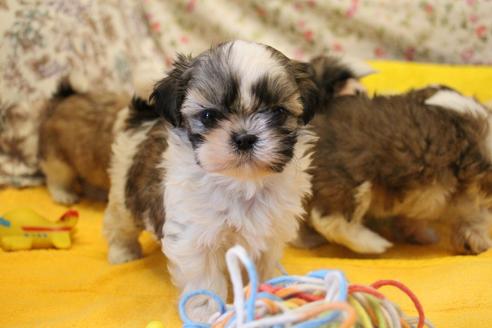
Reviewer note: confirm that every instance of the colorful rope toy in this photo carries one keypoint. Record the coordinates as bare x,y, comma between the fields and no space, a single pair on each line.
323,298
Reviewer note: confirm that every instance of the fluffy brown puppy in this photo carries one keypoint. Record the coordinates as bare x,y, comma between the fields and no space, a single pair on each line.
420,156
75,141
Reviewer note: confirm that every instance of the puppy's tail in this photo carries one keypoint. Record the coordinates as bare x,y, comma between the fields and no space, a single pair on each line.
70,85
142,109
64,90
338,76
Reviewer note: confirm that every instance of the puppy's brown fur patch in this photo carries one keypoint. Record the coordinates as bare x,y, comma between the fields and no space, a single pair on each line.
144,190
75,141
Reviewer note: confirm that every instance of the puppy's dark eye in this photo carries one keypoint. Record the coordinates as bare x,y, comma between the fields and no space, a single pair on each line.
209,117
278,115
280,110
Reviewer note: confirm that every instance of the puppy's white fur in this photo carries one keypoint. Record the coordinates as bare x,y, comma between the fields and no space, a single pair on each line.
353,235
251,63
358,67
213,212
454,101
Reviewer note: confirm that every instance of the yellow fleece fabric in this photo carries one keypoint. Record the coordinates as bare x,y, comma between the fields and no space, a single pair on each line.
78,288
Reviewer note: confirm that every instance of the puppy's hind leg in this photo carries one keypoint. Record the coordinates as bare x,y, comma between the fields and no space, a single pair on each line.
353,235
471,233
417,231
60,180
121,232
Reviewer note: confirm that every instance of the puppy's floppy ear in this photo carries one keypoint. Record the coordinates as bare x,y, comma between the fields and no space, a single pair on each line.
310,93
169,93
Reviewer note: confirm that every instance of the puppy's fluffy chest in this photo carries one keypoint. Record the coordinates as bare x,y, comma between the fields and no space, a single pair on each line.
219,211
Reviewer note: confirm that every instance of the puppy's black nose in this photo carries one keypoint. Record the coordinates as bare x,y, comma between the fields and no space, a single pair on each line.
244,141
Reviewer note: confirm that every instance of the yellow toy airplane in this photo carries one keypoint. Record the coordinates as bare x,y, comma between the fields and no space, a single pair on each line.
23,229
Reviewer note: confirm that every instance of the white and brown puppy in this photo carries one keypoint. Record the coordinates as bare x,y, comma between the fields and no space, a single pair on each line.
335,77
76,134
420,156
227,165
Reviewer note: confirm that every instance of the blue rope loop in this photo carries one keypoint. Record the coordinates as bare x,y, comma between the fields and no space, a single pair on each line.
187,322
253,282
250,304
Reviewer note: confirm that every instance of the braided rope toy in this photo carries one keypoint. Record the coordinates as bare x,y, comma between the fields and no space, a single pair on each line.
321,298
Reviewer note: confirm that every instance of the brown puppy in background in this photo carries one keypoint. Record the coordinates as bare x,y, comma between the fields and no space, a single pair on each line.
75,140
334,77
416,157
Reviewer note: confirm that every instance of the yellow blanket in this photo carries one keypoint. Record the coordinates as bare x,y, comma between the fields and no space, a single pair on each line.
78,288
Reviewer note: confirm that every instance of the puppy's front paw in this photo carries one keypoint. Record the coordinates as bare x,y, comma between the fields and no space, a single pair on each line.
471,241
124,253
200,309
368,242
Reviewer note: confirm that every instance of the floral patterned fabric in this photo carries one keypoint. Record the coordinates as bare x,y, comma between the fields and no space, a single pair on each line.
43,41
449,31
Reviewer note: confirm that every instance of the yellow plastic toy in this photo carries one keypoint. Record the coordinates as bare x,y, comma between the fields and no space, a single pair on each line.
23,229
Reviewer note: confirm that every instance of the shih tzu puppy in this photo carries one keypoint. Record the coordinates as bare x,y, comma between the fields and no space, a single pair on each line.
76,134
225,163
77,131
421,156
